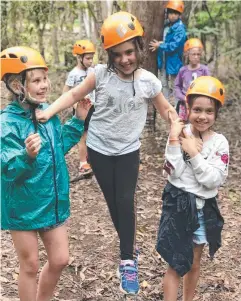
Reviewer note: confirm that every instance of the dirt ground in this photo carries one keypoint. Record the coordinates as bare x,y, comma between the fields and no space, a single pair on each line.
90,274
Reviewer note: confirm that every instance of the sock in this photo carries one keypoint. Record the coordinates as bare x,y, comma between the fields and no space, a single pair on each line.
127,261
82,163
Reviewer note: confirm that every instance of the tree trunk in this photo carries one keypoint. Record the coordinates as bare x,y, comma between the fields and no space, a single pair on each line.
152,22
40,41
54,34
13,18
4,31
188,6
81,21
99,11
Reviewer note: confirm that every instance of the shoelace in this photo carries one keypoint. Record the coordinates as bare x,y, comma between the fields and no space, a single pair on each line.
130,275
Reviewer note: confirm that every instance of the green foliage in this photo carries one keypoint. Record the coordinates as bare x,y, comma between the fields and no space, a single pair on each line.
206,30
38,12
122,5
220,12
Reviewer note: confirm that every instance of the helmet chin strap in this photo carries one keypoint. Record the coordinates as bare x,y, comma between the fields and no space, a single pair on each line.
133,78
82,62
33,104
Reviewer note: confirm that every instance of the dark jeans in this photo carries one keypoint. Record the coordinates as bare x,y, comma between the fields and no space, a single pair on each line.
117,177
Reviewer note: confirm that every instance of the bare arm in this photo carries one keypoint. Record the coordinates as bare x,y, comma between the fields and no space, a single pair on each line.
66,89
163,107
69,98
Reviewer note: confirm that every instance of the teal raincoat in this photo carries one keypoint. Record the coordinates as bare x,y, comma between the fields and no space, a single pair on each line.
35,192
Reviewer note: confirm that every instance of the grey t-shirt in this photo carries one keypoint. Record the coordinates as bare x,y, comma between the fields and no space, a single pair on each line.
76,76
120,117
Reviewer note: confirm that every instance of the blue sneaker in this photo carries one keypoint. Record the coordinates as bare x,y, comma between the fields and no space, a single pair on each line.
136,258
129,283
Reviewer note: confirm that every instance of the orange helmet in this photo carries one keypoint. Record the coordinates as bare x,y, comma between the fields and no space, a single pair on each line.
120,27
83,46
14,60
207,86
176,5
192,43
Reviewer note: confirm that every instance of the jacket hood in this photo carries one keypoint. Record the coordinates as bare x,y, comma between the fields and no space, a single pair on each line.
15,108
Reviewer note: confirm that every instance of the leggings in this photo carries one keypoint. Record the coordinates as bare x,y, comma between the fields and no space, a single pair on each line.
117,177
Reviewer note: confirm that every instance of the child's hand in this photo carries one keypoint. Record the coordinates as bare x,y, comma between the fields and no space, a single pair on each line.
154,45
42,115
191,145
177,126
82,108
33,144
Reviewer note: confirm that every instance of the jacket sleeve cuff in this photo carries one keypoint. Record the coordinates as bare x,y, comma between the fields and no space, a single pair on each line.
162,46
174,150
78,121
26,158
198,163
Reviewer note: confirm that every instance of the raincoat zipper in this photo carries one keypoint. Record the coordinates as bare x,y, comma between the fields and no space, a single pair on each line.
54,172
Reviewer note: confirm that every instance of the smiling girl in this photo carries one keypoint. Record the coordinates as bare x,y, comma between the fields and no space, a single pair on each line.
35,187
123,91
193,51
197,163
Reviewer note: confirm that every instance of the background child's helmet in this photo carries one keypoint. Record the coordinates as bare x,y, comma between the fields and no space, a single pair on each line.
120,27
176,5
192,43
207,86
15,60
83,47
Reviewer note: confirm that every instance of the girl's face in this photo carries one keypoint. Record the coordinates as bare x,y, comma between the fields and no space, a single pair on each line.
173,16
202,113
87,60
37,85
194,56
125,60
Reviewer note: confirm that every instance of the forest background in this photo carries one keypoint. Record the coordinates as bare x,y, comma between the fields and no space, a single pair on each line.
52,27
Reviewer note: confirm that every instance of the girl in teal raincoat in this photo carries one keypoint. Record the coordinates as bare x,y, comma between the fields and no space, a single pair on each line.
35,183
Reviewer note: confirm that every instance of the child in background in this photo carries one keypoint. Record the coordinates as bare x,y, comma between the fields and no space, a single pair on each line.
84,51
35,186
193,50
170,50
123,90
197,161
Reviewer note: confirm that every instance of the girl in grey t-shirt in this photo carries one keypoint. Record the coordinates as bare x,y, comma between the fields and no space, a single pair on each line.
123,91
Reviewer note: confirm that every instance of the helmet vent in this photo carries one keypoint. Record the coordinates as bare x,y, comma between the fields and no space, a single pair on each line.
24,59
131,26
102,39
12,56
132,19
3,56
221,91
